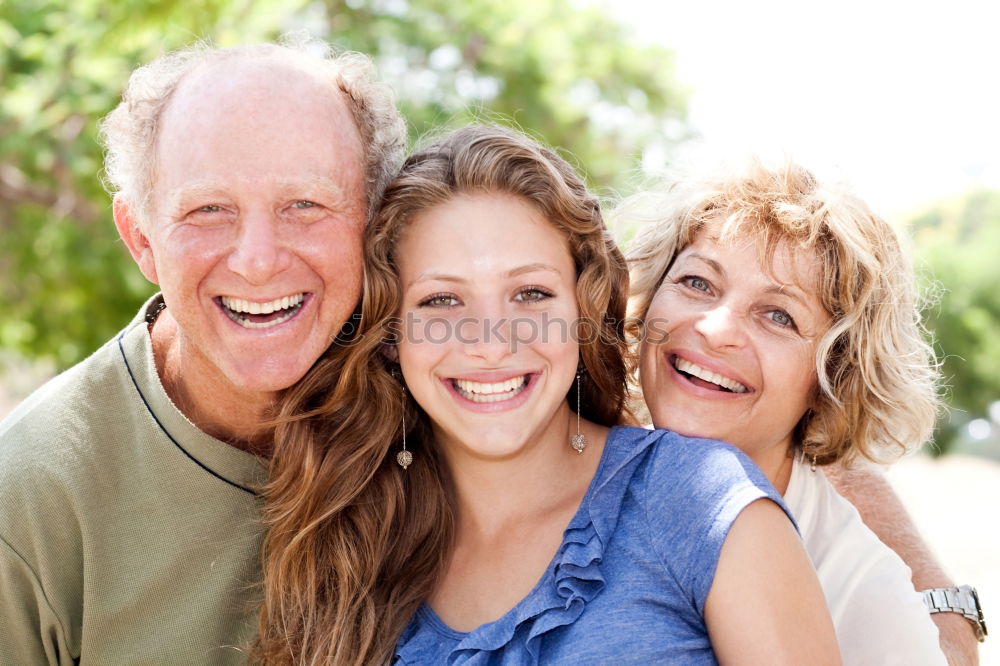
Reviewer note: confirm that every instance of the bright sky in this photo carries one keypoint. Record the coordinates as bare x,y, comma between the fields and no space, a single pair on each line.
902,99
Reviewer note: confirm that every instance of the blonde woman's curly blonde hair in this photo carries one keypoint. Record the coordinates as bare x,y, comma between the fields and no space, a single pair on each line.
878,376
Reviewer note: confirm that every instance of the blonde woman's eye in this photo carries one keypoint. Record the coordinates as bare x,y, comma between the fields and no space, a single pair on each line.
695,282
532,295
781,318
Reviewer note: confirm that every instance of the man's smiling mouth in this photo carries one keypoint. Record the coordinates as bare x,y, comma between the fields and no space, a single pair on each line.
254,315
692,371
490,391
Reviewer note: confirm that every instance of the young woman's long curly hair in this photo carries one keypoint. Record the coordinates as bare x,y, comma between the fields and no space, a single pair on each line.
354,542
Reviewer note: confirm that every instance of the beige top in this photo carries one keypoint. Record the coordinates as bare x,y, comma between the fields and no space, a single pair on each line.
127,535
879,617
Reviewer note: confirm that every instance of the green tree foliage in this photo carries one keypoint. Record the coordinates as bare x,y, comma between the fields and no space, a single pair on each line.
958,242
560,69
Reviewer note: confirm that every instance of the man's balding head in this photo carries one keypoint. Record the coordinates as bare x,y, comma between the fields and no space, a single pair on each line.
130,132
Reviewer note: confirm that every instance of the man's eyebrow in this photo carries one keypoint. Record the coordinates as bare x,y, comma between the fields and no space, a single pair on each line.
195,190
301,187
323,183
178,200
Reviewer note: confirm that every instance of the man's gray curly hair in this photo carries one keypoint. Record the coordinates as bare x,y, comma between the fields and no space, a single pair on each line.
129,133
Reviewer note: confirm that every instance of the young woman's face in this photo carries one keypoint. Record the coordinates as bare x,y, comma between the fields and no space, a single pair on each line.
488,307
730,344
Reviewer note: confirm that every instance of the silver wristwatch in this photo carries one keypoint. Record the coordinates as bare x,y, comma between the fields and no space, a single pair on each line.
963,600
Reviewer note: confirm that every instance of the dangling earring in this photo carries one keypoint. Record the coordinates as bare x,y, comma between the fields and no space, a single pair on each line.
813,465
578,441
404,458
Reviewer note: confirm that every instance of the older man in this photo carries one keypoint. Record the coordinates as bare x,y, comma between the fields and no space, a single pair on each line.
128,511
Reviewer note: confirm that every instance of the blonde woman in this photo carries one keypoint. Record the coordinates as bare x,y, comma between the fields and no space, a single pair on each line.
779,315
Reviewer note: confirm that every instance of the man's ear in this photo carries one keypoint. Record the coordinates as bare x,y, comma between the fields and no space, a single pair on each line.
134,237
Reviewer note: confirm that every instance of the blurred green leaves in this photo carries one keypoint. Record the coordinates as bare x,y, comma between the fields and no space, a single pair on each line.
959,246
560,69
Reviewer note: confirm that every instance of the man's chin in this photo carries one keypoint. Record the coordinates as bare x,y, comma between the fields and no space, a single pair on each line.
264,382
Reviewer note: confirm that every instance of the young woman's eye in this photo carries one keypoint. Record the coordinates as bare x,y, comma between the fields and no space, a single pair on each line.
439,301
781,318
695,282
532,295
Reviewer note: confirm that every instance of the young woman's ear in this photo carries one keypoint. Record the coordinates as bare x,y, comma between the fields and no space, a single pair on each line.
390,352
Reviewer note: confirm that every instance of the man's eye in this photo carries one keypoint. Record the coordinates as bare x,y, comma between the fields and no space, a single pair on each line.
211,208
532,295
304,204
439,301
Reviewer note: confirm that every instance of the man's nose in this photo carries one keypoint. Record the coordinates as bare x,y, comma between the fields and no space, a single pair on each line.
722,327
259,253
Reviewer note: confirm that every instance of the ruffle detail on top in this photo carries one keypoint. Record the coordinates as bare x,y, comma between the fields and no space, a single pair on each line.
570,582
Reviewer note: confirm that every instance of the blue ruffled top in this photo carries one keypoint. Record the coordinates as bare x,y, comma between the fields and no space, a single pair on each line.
628,583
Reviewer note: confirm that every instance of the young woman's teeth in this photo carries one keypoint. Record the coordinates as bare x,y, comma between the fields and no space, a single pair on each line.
701,373
265,315
490,392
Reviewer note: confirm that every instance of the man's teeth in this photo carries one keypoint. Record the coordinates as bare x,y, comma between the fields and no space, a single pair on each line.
251,307
490,392
709,376
238,308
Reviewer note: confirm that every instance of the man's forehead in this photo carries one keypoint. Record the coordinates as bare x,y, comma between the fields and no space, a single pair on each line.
241,92
236,73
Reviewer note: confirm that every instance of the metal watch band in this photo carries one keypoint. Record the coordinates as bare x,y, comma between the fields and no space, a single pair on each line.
963,600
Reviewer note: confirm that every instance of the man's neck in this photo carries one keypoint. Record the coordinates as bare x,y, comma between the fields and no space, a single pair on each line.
205,397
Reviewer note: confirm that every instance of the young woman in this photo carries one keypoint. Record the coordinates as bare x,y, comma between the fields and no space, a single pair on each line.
454,486
780,316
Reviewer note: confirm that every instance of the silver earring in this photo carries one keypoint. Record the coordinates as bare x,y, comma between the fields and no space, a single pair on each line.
578,441
813,465
404,458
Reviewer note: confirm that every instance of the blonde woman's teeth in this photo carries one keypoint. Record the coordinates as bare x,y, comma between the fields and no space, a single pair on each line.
702,373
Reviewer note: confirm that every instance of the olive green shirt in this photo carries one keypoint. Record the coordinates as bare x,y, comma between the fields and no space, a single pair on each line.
127,535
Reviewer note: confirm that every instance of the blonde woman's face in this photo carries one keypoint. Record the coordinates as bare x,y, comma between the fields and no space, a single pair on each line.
730,345
488,299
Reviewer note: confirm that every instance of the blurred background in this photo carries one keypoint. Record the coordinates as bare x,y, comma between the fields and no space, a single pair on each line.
899,99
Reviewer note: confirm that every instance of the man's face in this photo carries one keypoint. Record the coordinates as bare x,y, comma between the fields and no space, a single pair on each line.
255,224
